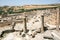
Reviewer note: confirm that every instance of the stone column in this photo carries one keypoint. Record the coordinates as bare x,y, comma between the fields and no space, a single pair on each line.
13,25
25,25
58,21
42,23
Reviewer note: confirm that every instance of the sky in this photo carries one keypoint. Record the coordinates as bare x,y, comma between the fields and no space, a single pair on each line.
26,2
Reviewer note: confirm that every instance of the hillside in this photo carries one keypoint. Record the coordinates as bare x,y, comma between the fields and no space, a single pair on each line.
18,9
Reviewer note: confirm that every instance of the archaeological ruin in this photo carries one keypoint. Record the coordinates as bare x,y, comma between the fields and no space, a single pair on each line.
30,22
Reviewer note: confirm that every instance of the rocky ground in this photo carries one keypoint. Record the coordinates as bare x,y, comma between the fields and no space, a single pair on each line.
38,36
18,35
34,27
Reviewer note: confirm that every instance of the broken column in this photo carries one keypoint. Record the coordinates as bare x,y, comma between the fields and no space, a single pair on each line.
42,23
13,25
25,25
58,21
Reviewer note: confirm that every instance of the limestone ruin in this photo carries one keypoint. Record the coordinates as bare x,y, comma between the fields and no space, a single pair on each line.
41,23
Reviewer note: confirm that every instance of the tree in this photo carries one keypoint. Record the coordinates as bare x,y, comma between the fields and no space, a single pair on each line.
10,10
